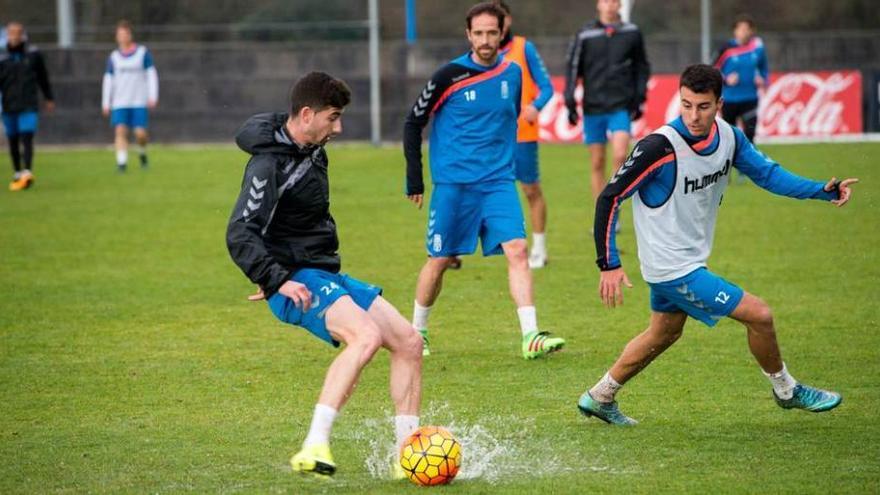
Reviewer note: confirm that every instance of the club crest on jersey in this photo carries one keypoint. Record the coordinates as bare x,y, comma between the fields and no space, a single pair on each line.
505,90
696,184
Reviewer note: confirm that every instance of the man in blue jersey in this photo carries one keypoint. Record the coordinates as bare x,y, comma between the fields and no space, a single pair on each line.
680,173
536,92
475,101
743,65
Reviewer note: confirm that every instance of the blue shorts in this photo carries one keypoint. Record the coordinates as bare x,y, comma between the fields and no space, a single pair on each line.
17,123
527,162
701,294
597,127
135,117
326,288
462,213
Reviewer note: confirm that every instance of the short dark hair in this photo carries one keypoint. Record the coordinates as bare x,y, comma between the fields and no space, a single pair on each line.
701,78
744,18
504,6
318,90
123,24
486,8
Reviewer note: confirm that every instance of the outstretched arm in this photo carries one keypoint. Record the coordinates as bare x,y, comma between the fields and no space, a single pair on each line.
771,176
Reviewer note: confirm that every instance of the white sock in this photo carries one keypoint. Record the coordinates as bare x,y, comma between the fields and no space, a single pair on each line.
404,425
322,422
783,383
420,316
16,176
528,319
539,243
121,157
605,389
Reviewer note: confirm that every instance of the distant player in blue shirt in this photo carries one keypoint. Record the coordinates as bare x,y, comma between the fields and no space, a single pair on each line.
475,101
743,65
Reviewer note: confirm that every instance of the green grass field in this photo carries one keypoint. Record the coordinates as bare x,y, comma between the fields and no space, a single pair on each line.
131,362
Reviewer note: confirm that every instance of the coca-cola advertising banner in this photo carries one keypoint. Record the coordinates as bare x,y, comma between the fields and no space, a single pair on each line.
795,104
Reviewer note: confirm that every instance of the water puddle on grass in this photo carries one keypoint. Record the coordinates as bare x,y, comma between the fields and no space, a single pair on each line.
495,448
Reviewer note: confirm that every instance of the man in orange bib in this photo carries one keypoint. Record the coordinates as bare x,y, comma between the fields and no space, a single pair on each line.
536,92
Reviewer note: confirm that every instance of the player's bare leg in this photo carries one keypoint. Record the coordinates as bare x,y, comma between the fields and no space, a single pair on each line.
141,137
597,168
663,331
534,342
428,287
619,149
120,142
405,346
538,214
757,317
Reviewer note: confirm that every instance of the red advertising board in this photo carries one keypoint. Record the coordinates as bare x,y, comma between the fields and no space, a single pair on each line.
797,104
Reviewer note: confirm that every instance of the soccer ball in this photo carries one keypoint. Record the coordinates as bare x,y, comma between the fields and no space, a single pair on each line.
430,456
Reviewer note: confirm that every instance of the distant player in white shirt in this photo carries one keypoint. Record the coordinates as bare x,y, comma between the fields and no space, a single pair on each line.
130,88
676,177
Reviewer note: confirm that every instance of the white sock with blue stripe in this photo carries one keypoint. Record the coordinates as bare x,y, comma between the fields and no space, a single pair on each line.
783,383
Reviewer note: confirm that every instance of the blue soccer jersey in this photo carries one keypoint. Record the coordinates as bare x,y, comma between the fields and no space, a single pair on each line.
473,137
748,61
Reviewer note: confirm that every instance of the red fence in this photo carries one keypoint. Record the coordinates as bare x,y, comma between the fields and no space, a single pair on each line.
798,104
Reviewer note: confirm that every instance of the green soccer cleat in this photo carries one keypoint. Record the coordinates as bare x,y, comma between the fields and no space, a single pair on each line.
425,350
314,459
810,399
606,411
537,344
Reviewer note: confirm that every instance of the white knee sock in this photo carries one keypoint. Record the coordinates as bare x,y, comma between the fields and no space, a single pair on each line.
322,423
539,243
783,383
420,316
605,389
528,319
121,157
404,425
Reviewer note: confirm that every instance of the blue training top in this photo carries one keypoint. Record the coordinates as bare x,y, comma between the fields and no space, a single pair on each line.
748,60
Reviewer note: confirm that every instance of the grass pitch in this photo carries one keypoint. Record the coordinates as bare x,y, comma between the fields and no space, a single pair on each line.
131,362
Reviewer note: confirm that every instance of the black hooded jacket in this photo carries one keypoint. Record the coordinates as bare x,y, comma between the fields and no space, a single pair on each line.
22,72
281,221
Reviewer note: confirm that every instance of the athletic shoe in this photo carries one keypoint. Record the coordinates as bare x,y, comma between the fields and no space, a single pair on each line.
537,344
24,181
606,411
314,459
537,260
425,350
810,399
121,168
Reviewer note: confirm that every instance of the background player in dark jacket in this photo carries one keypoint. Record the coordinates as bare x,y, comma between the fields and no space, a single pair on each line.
22,72
283,238
743,65
608,56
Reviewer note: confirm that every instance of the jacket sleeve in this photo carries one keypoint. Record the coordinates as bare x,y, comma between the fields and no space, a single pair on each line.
247,226
769,175
428,101
573,71
43,76
642,71
640,167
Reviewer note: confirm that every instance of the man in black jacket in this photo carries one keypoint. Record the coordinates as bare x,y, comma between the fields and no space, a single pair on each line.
22,71
282,236
609,57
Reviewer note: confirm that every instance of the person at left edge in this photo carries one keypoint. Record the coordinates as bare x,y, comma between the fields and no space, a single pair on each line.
475,102
22,73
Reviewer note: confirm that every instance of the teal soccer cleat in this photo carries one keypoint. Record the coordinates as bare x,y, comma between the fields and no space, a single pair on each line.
606,411
810,399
